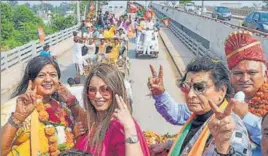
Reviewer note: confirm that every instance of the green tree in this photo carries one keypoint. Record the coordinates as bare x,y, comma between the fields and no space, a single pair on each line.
185,1
61,22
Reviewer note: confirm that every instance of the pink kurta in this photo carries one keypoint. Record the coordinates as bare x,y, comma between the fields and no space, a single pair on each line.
114,141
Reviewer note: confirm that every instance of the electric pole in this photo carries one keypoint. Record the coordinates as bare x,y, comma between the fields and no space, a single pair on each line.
78,12
202,10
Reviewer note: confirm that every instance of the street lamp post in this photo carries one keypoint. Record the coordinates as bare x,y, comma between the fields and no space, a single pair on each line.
78,12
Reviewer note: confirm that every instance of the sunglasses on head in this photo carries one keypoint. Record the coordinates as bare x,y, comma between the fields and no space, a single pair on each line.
104,91
198,87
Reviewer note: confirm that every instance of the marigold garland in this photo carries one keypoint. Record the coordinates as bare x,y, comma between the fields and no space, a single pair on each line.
154,138
47,116
258,105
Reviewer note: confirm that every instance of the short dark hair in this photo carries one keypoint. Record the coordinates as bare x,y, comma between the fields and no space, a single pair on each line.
266,115
70,81
74,33
46,46
77,80
33,67
219,72
75,152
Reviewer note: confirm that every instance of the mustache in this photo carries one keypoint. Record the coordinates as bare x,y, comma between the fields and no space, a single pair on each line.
244,83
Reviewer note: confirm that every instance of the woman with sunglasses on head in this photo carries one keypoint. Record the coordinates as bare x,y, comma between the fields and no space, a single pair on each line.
42,121
209,126
111,129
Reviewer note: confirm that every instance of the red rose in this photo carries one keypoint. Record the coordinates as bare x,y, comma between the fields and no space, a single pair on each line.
52,116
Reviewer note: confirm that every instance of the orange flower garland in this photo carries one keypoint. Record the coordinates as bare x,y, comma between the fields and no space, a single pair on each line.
153,138
258,105
50,129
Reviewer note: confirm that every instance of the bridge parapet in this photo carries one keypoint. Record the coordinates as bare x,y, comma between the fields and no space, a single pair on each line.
24,53
211,33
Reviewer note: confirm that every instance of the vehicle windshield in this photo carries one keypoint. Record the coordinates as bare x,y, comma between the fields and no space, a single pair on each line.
223,10
264,17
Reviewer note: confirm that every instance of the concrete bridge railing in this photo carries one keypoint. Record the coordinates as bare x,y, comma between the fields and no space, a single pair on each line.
209,32
24,53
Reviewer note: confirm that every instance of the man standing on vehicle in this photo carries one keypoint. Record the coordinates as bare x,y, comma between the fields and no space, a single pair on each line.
148,36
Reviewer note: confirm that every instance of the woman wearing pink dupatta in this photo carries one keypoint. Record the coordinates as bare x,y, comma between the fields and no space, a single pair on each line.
112,130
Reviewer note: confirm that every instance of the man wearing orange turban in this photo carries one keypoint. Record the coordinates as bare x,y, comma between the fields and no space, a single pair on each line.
246,60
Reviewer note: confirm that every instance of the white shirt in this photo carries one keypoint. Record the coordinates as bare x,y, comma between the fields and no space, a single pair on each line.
77,91
149,25
89,35
91,49
148,35
77,53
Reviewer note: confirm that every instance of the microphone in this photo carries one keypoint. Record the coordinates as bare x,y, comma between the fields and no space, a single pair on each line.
240,96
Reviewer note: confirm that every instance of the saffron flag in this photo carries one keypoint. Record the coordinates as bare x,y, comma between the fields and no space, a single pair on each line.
166,21
41,35
132,8
91,8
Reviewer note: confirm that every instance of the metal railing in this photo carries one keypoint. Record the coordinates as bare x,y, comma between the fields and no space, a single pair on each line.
196,47
24,53
256,32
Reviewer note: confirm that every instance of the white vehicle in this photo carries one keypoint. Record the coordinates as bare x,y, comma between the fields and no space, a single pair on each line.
153,47
198,10
189,7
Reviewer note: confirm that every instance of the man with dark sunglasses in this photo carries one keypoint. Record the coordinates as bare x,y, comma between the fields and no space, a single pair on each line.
206,79
246,61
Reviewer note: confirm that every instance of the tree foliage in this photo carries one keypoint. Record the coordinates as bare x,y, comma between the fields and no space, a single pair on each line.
185,1
19,23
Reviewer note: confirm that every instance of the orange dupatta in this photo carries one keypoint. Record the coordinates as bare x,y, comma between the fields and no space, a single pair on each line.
199,145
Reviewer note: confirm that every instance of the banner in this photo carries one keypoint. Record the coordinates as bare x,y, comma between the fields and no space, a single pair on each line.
41,35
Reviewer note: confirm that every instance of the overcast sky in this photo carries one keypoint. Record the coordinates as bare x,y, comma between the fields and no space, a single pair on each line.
244,3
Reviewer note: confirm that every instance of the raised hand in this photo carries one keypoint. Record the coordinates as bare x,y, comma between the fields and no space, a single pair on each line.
157,149
26,103
155,83
122,113
65,94
222,126
79,129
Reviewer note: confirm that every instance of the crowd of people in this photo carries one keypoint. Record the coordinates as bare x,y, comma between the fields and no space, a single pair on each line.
106,36
49,120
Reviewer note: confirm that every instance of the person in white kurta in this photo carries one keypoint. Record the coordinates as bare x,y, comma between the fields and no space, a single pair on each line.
91,51
78,60
148,35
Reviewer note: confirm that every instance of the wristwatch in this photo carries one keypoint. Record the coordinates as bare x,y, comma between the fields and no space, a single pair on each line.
132,139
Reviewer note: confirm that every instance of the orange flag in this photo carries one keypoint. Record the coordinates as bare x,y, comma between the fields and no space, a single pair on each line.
41,35
166,21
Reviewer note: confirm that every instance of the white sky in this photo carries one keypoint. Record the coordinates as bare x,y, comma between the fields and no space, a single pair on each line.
213,3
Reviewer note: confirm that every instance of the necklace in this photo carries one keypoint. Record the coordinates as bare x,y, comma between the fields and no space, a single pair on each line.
57,126
258,105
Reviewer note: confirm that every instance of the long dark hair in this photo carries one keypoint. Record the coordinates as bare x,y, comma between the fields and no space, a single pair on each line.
34,66
112,77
